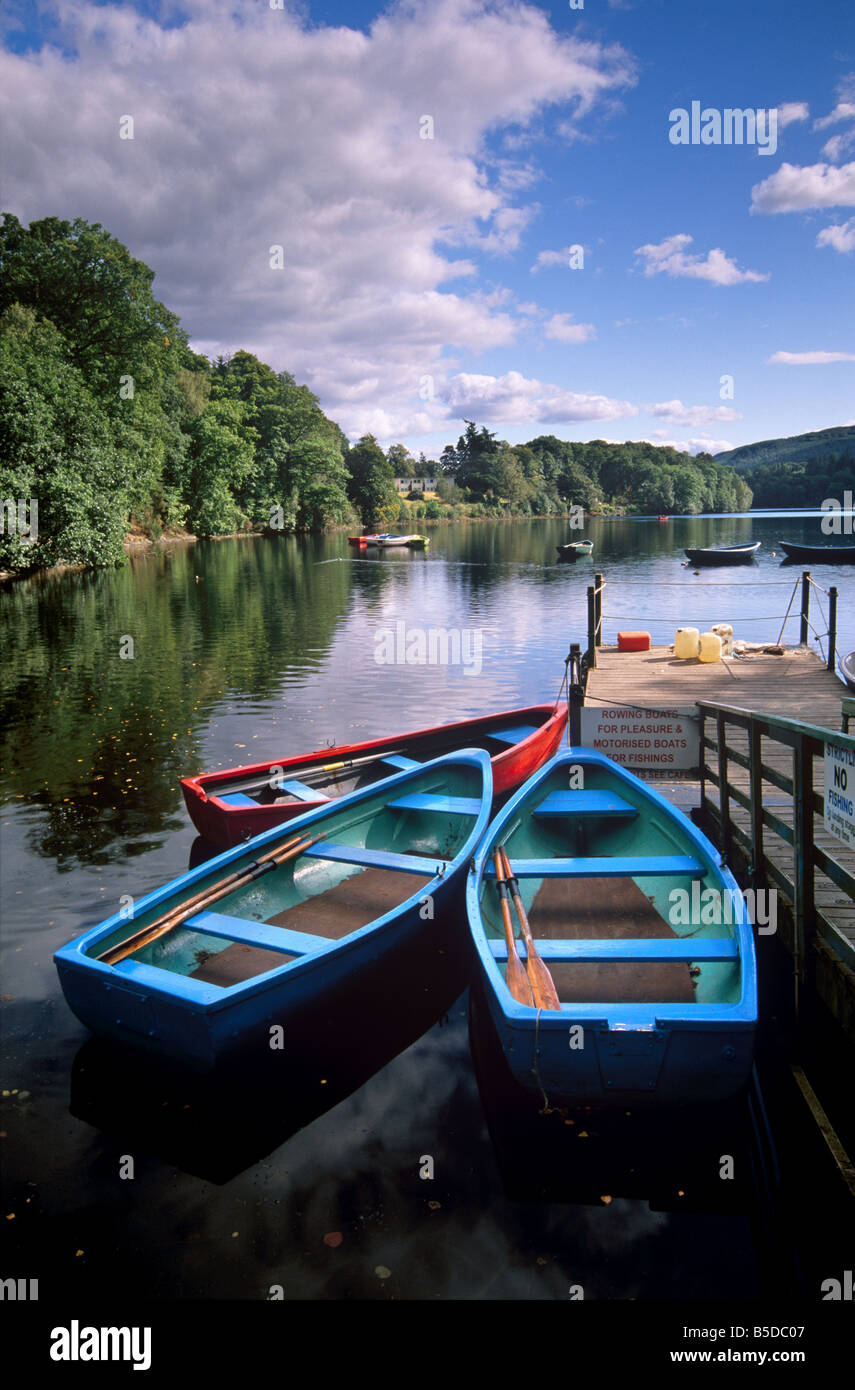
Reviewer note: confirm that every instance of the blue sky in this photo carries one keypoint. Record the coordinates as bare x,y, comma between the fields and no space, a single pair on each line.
428,280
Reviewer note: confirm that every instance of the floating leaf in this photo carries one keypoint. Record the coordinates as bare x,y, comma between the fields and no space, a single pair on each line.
333,1238
382,1272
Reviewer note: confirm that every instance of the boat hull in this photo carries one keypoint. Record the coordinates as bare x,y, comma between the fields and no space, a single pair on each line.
201,1025
743,555
634,1051
226,825
819,554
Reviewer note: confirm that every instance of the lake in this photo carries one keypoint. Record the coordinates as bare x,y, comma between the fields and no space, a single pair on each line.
116,684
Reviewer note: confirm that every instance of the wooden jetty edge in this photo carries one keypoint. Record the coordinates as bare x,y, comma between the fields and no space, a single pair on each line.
758,790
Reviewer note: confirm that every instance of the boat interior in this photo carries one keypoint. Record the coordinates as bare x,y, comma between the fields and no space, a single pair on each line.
366,861
597,871
331,777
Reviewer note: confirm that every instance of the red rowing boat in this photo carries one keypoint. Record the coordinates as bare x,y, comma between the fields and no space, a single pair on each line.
230,806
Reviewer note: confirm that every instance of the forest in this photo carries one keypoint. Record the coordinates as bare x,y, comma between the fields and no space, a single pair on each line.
114,425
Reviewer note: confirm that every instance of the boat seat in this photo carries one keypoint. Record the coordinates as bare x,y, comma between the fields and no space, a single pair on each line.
629,866
427,801
255,933
515,734
581,803
378,859
238,799
399,761
300,791
626,948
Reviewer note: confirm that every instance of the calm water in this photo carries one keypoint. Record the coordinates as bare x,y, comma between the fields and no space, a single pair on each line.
244,650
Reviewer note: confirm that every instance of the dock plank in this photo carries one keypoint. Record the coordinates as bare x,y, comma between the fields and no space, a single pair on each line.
795,685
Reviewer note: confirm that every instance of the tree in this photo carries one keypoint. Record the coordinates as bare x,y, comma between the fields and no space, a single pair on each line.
56,446
97,295
372,482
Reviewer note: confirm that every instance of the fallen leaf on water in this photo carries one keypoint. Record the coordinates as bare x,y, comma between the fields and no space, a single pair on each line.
606,1200
434,1206
382,1272
333,1238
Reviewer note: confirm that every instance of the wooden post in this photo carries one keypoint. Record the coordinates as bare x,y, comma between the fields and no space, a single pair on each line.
832,628
723,790
575,695
702,755
592,629
803,881
598,608
803,631
755,757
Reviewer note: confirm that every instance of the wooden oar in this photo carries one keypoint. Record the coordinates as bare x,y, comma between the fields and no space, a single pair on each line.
312,773
515,976
542,984
203,900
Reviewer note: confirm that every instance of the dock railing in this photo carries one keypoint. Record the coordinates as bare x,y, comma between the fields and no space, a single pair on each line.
779,848
803,584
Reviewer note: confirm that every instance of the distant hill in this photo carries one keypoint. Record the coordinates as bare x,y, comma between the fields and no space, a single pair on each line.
797,448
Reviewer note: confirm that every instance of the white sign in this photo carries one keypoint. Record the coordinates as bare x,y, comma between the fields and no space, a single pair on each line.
840,793
656,739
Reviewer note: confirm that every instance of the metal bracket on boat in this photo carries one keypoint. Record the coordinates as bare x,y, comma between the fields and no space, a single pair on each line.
440,870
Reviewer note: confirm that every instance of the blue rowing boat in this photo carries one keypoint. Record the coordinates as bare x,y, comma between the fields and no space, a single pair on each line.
271,930
644,933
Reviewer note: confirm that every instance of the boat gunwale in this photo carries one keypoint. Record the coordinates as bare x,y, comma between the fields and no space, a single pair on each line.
183,991
199,783
608,1015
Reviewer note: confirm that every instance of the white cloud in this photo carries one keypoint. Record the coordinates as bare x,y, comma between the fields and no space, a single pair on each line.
790,111
843,111
839,235
839,145
794,188
563,330
692,414
549,258
702,444
256,127
516,399
670,258
810,359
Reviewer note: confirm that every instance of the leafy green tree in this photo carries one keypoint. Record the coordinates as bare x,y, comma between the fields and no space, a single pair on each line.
372,483
55,446
99,298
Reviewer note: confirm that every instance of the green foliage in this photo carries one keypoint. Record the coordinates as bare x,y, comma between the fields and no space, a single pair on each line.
795,484
372,483
820,445
55,446
109,417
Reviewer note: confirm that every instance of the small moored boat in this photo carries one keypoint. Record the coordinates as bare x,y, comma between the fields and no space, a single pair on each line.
846,667
653,982
230,806
574,550
724,554
264,934
819,554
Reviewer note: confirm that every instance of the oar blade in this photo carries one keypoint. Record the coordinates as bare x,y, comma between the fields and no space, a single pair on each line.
517,981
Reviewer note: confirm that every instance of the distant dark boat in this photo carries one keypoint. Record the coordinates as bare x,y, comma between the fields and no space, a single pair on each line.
846,667
819,554
724,554
574,549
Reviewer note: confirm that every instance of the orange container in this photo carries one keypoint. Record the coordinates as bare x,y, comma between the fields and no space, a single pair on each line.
633,641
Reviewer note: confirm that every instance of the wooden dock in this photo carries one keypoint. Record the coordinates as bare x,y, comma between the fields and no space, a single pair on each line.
793,686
